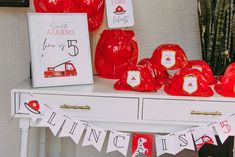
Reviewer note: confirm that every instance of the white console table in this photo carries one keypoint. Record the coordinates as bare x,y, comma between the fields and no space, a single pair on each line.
122,110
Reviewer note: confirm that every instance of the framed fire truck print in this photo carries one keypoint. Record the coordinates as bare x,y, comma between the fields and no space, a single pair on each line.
60,49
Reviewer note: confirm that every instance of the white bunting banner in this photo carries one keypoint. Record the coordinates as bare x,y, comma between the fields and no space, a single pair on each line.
184,140
72,128
94,136
172,143
165,144
32,105
232,120
224,128
202,135
52,119
118,141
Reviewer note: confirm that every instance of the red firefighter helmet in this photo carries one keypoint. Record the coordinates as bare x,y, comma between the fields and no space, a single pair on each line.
93,8
51,6
33,106
230,68
138,78
115,51
227,86
205,68
188,82
161,75
169,57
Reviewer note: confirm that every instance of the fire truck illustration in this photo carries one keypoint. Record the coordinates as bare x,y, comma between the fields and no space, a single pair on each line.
68,70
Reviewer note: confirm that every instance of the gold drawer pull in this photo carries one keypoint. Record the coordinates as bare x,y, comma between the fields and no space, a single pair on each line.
216,113
86,107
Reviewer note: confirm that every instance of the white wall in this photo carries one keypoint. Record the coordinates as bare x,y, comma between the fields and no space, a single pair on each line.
14,67
167,21
157,21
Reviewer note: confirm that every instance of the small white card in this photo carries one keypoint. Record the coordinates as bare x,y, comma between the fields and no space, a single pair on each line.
60,49
119,13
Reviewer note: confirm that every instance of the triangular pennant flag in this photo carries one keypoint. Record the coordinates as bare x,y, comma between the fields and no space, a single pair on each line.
184,140
172,148
72,128
94,136
32,105
165,144
53,120
142,144
202,135
118,141
232,121
224,128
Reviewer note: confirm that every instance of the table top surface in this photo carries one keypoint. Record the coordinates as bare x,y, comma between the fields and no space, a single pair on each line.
104,87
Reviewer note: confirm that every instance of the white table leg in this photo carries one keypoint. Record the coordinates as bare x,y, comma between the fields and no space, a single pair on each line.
24,131
77,153
42,142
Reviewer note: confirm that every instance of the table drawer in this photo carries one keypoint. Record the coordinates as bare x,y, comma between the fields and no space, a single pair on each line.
101,107
185,110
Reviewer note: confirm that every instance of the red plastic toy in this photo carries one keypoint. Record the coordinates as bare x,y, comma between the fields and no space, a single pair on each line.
226,88
160,75
188,82
169,57
230,68
115,51
205,68
93,8
138,78
51,6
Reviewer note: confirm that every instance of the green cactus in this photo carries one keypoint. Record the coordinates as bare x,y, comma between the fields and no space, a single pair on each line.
217,27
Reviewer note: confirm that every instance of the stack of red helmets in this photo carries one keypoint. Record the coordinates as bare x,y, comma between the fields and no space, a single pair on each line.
226,84
191,79
115,52
93,8
161,76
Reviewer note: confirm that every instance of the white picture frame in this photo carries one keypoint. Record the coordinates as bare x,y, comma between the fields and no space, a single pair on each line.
60,49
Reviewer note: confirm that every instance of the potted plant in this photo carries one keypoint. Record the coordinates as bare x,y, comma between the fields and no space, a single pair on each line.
217,28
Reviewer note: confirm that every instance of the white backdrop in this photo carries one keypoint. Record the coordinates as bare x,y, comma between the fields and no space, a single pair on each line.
157,21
